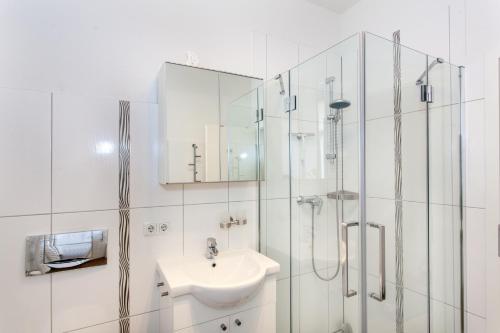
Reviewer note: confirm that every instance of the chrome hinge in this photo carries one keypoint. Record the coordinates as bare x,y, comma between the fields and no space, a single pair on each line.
259,115
426,93
290,103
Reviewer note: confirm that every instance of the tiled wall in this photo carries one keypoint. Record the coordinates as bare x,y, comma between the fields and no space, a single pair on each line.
60,173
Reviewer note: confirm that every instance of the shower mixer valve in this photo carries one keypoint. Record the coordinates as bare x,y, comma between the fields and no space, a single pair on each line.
314,201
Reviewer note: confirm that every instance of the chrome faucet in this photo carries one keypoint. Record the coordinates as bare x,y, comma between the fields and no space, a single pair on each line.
314,201
211,248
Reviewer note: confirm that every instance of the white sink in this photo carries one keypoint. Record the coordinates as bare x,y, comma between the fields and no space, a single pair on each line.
230,279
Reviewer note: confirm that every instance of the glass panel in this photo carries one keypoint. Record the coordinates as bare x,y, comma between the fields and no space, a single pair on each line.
396,181
299,162
324,154
309,190
413,189
445,196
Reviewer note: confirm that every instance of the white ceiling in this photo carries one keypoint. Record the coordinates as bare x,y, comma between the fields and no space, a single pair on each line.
338,6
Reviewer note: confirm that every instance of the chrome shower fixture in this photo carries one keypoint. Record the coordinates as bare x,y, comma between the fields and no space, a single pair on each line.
329,80
340,104
314,201
282,85
420,79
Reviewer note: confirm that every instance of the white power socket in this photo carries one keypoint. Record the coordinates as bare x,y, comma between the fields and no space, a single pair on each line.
162,227
150,229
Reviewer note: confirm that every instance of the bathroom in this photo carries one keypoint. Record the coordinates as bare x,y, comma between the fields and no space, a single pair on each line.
332,166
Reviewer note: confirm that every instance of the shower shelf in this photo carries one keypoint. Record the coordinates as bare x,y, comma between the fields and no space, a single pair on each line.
343,195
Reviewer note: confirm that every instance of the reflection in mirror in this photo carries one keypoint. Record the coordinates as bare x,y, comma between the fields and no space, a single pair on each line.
242,128
195,105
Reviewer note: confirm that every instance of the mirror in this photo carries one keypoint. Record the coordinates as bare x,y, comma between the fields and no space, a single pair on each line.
202,112
244,129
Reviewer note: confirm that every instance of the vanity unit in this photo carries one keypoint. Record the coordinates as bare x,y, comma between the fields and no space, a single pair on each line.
234,292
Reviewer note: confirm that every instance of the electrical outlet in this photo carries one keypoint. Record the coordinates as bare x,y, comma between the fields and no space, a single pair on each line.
162,227
150,229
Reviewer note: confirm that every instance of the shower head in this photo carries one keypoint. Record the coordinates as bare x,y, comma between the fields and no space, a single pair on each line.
420,79
340,104
282,85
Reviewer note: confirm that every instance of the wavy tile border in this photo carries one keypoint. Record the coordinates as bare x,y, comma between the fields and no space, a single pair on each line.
124,228
398,184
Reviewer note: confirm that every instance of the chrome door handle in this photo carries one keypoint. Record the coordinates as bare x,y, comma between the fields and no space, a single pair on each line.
345,262
381,263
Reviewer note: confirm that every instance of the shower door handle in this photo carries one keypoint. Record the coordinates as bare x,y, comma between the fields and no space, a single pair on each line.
345,262
380,296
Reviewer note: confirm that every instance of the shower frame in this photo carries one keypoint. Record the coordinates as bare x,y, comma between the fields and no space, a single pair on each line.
363,222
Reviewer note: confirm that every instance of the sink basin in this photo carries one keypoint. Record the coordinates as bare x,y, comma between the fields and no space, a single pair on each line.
230,279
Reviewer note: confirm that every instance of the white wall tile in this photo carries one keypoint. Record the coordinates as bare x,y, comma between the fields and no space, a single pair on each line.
380,158
111,327
281,55
25,152
476,260
475,324
205,193
145,189
321,237
381,211
25,301
441,164
283,305
146,250
277,178
313,303
443,318
311,163
200,222
85,148
243,191
88,296
146,323
475,155
335,304
414,156
444,251
278,235
414,244
244,236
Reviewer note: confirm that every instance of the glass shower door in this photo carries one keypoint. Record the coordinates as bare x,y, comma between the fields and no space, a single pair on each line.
412,190
360,191
324,169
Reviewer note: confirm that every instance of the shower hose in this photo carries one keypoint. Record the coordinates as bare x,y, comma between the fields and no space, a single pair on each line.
337,270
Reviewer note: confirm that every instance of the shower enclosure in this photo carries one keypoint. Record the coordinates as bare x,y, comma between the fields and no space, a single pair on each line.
360,195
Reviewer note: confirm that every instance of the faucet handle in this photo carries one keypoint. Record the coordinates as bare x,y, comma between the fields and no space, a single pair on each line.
211,242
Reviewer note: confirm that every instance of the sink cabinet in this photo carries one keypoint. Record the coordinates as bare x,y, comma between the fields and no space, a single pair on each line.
236,292
257,320
185,314
261,319
214,326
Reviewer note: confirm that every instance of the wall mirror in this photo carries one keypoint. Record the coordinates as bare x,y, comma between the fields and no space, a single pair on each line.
209,125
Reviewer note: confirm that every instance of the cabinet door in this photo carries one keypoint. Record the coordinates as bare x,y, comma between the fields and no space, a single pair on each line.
258,320
215,326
